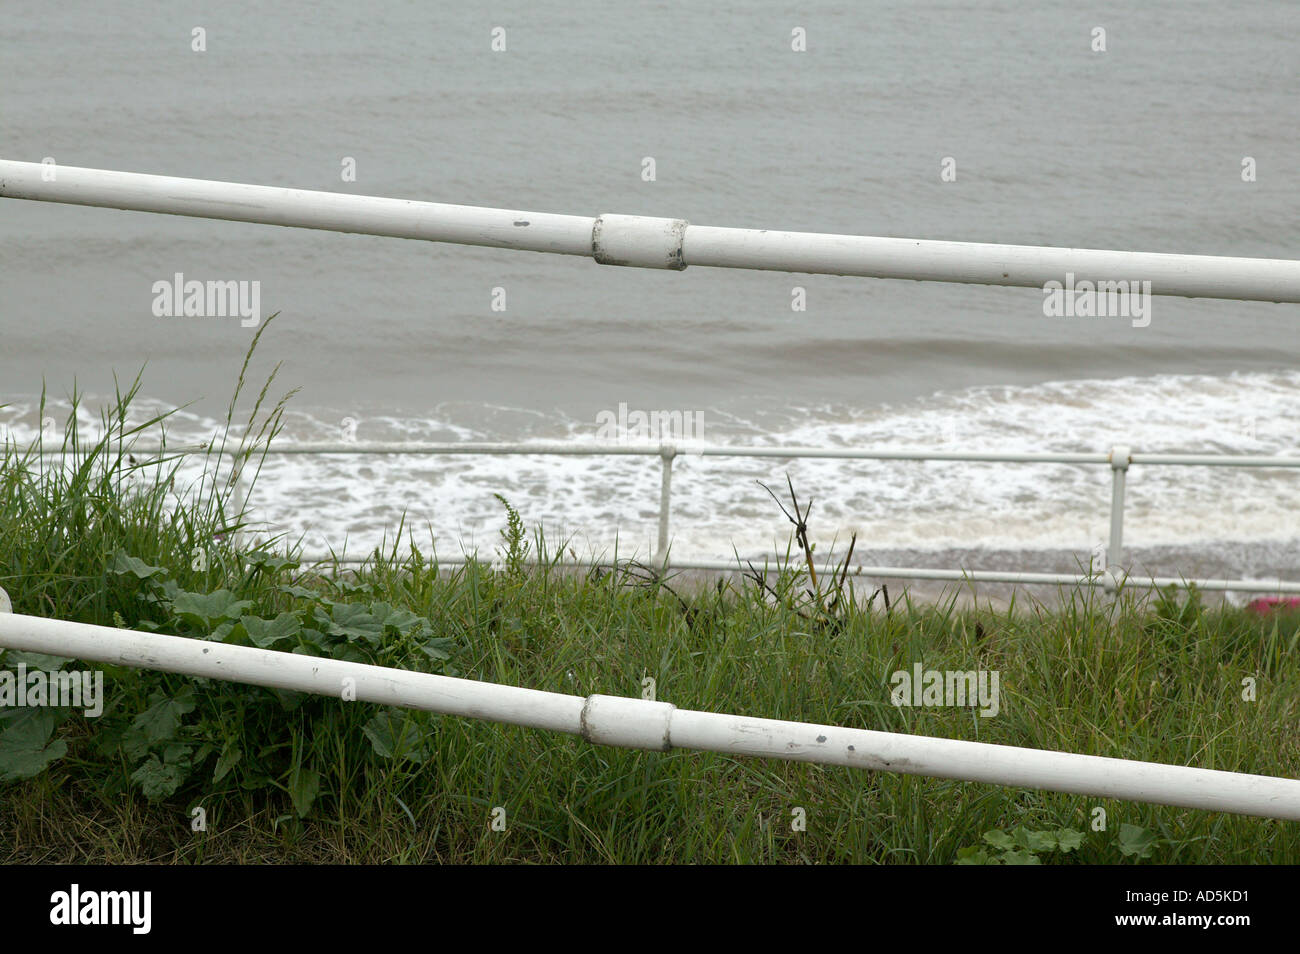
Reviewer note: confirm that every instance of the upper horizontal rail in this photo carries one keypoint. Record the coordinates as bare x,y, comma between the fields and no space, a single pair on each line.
672,449
650,242
332,211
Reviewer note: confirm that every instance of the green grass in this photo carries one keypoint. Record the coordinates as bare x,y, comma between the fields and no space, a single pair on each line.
283,777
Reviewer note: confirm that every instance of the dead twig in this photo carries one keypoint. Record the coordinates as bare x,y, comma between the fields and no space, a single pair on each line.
844,572
651,577
800,522
755,575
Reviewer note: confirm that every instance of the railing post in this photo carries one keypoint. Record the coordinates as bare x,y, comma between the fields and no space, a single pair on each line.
237,500
666,453
1120,458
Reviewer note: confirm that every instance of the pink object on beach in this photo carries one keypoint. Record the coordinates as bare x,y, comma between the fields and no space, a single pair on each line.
1267,604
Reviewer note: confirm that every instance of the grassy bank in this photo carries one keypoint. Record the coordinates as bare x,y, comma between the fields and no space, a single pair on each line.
284,777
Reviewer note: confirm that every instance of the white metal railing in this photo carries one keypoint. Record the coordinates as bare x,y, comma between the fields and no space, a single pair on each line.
659,726
666,243
646,242
649,242
1109,577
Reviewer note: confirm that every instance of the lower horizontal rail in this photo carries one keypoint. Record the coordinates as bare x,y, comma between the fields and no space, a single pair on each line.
1102,580
659,726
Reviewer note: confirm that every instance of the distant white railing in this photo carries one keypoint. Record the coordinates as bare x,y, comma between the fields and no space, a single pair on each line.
670,243
1109,577
649,725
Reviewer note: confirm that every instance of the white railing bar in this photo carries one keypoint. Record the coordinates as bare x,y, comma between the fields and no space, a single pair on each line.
332,211
659,726
1111,580
1215,460
1119,459
711,450
650,242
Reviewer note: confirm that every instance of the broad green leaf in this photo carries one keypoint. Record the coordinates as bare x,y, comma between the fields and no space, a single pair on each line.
354,621
349,653
1069,840
270,561
33,661
26,747
1020,858
438,648
316,640
402,620
347,586
228,759
394,734
158,779
162,719
300,591
208,609
1041,840
122,564
177,752
267,632
1135,842
999,839
304,785
972,855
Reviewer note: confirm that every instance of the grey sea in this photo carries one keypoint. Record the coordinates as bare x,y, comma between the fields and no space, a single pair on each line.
1180,135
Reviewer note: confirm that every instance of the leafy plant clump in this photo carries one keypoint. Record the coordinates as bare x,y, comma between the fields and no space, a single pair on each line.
109,538
1023,846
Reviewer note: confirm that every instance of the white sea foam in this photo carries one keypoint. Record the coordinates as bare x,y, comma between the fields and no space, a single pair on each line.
601,502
